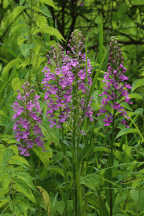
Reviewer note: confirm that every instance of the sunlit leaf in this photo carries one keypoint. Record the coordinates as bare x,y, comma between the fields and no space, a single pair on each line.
126,131
3,202
19,160
49,3
46,198
136,96
45,155
49,30
21,187
137,83
5,3
8,67
137,2
16,84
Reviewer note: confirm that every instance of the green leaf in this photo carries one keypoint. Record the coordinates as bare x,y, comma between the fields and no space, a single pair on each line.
26,178
4,182
134,195
119,214
55,170
21,187
25,49
36,58
14,148
126,106
136,96
49,3
41,21
21,205
137,2
126,131
18,160
6,214
16,12
45,11
100,31
9,19
101,149
137,83
9,139
50,134
46,198
22,2
102,52
139,111
141,198
127,150
54,32
44,156
49,30
7,155
3,202
16,84
122,10
5,3
60,207
91,181
8,67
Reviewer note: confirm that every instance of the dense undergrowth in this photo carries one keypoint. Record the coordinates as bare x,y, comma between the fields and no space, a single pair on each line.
71,121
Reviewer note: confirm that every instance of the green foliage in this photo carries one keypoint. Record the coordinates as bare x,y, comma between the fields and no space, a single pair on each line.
46,199
49,2
44,184
126,131
137,83
16,193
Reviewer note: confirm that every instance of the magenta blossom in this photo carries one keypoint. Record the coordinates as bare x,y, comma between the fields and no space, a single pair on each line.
27,116
115,89
70,73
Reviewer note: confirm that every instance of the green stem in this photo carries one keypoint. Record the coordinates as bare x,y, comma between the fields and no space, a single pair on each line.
65,197
111,165
74,171
76,163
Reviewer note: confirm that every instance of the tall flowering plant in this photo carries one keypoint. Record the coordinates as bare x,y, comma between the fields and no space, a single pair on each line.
115,89
115,94
27,116
68,82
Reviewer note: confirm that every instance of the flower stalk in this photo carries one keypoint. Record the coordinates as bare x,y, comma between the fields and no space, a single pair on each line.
114,94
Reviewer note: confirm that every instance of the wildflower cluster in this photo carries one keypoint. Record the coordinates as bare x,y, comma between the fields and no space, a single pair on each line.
68,82
27,119
116,87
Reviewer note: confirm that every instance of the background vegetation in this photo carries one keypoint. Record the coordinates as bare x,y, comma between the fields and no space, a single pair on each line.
42,184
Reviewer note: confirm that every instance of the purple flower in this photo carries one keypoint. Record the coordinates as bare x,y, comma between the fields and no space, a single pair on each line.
82,74
123,77
27,118
23,151
69,74
18,109
116,87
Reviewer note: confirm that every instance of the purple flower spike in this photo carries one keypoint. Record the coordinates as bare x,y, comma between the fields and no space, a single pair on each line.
69,74
116,87
27,118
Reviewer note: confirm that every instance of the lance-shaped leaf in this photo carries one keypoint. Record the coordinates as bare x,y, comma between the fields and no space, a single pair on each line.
137,83
49,3
126,131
